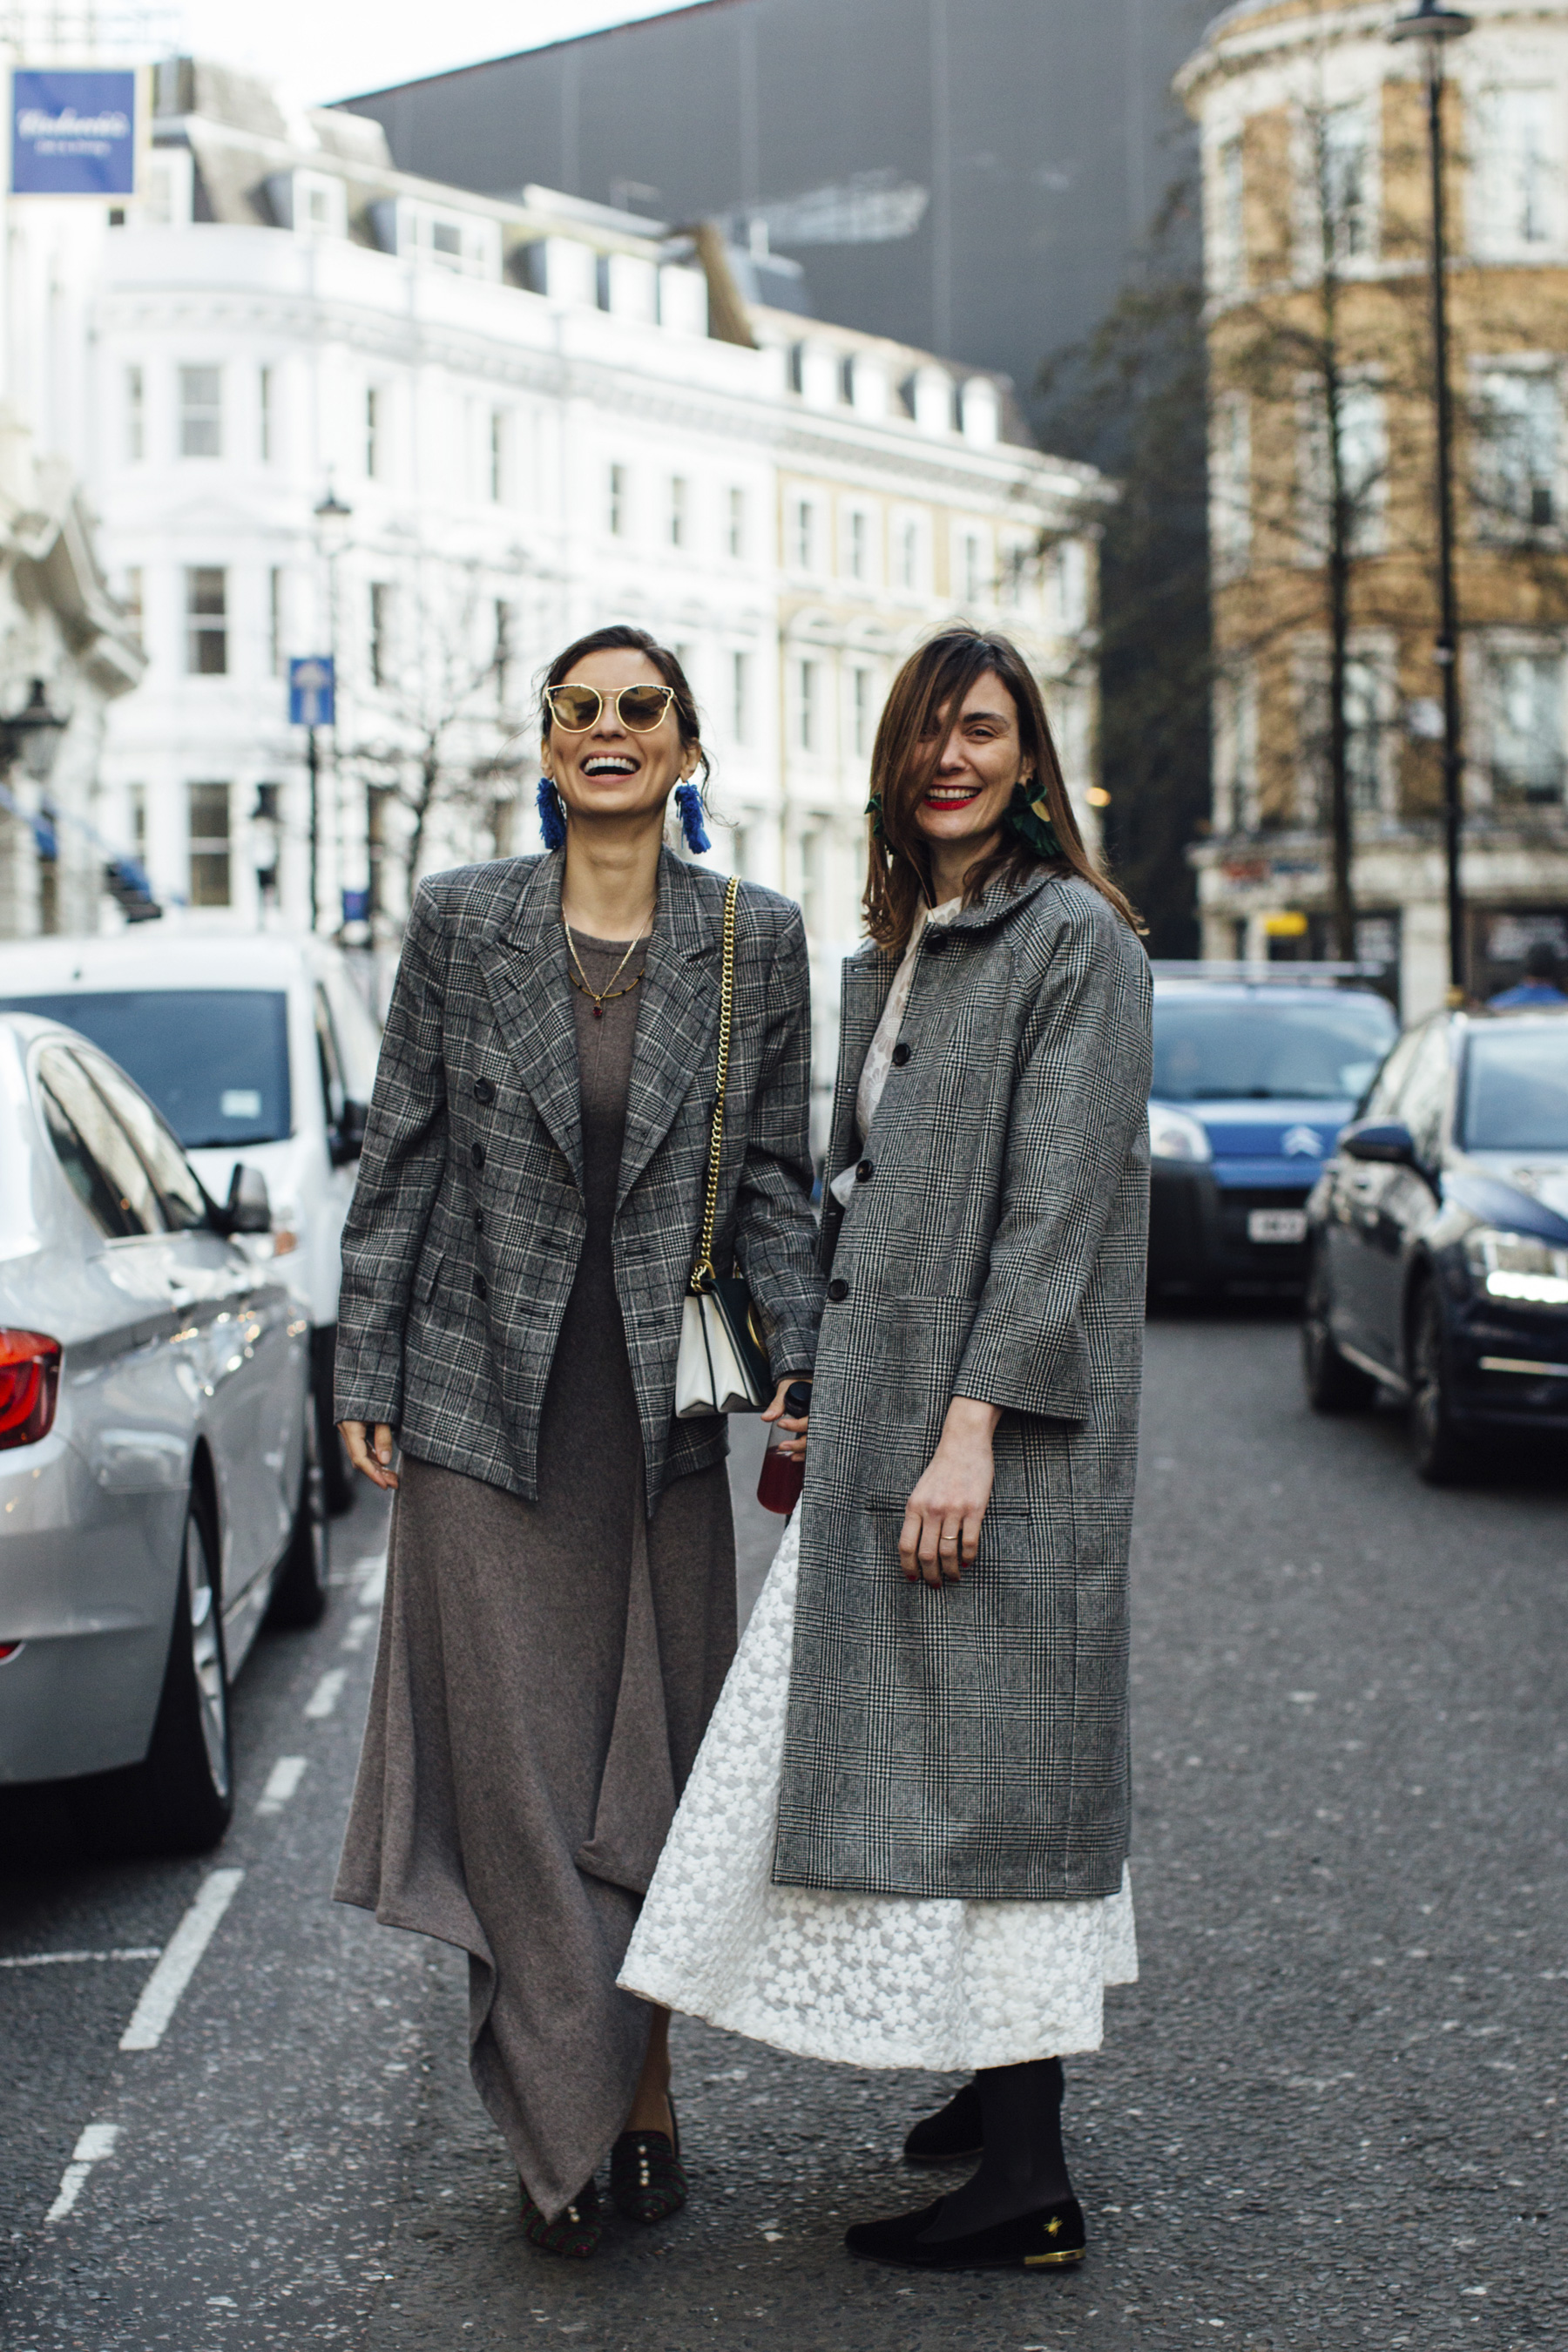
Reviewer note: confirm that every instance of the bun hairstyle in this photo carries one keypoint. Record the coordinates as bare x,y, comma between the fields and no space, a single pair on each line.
937,676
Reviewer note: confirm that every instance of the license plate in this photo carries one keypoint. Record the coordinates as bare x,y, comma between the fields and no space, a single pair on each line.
1276,1225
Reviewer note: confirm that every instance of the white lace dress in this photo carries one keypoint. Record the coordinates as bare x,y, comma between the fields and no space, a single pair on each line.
869,1980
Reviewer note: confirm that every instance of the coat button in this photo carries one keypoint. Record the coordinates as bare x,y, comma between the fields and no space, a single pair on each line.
936,943
863,1173
482,1288
900,1054
479,1221
484,1091
837,1288
477,1154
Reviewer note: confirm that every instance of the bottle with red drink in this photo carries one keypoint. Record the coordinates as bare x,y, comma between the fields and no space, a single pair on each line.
784,1475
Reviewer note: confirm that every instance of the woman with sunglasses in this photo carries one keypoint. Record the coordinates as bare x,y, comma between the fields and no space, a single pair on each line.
904,1843
560,1605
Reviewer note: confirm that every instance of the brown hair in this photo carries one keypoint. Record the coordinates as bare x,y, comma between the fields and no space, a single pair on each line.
937,676
620,638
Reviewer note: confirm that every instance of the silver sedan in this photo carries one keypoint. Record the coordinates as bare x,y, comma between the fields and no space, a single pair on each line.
159,1493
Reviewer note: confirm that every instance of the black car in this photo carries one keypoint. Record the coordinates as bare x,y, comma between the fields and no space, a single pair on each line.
1437,1239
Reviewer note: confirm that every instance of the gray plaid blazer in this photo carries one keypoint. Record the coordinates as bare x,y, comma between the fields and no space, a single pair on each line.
973,1741
447,1326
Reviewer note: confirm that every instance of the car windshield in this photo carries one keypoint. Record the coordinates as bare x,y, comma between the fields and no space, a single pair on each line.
214,1060
1516,1089
1258,1049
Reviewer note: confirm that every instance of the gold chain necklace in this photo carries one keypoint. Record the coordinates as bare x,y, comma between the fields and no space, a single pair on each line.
579,978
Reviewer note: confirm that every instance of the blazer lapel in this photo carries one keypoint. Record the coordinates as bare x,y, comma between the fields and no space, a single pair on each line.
524,965
677,1025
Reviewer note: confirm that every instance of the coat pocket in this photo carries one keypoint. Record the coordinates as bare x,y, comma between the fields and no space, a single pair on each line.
429,1280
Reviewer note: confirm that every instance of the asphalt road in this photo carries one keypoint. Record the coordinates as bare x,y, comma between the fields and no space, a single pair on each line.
1329,2116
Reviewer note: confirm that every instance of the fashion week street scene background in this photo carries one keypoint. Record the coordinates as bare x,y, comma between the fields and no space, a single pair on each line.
352,365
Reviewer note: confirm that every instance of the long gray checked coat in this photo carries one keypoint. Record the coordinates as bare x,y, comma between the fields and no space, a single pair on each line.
468,1220
973,1741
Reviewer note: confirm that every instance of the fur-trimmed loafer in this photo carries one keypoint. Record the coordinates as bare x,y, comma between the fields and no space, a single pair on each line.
648,2180
1052,2238
955,2135
577,2228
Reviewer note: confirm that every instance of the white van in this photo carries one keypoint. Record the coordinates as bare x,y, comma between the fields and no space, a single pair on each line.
254,1046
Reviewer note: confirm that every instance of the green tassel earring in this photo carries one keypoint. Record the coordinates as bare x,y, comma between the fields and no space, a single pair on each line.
1031,820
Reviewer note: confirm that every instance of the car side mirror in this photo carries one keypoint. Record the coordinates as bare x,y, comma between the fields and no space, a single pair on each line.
1386,1139
249,1210
348,1136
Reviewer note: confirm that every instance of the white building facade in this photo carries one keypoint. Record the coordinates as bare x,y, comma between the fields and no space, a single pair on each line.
522,421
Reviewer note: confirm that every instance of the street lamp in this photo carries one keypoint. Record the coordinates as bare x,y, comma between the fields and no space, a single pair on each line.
1434,28
330,513
33,736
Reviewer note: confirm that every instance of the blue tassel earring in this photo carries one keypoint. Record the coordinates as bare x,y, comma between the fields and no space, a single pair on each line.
688,801
552,822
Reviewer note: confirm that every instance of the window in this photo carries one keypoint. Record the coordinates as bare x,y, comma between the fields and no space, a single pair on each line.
180,1195
135,416
909,555
1365,732
739,696
130,597
804,547
737,537
1369,717
275,621
806,728
498,456
1363,469
264,388
201,412
615,502
1519,167
858,552
811,862
1527,727
206,612
214,1060
1231,479
1235,753
380,632
678,510
506,627
1345,184
973,567
860,712
208,827
94,1150
1230,219
374,430
447,243
1519,430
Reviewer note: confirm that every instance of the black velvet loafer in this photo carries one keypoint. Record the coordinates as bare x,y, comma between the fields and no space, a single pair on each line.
955,2135
648,2180
575,2231
1050,2238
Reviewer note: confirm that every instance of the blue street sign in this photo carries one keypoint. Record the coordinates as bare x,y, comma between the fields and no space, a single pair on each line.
311,690
356,905
73,134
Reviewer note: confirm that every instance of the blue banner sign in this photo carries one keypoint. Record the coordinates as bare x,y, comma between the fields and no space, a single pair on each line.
310,686
73,134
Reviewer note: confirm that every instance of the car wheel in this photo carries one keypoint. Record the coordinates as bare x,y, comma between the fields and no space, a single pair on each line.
337,1470
1441,1455
300,1593
1333,1384
180,1798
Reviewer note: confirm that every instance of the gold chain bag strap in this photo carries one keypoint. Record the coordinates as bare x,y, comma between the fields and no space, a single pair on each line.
722,1366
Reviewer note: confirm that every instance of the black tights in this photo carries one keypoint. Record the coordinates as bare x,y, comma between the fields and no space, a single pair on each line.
1023,2167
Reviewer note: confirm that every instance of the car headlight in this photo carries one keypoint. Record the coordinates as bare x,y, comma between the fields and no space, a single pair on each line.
1518,1268
1176,1135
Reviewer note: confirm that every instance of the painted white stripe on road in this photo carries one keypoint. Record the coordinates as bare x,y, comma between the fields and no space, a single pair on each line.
281,1782
161,1993
373,1592
358,1628
327,1692
95,2142
74,1959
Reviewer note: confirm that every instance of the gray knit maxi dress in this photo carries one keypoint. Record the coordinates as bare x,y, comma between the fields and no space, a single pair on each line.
544,1676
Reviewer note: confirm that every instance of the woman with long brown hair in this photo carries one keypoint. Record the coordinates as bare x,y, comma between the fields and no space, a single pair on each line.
561,1576
904,1842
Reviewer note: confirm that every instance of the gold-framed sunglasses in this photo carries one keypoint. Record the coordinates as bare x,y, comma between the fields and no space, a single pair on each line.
639,708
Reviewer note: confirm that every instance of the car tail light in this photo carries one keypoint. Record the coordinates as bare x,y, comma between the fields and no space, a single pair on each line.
30,1384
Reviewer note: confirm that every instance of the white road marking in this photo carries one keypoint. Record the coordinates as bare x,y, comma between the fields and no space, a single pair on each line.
327,1692
358,1628
373,1592
161,1993
95,2142
281,1782
74,1959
